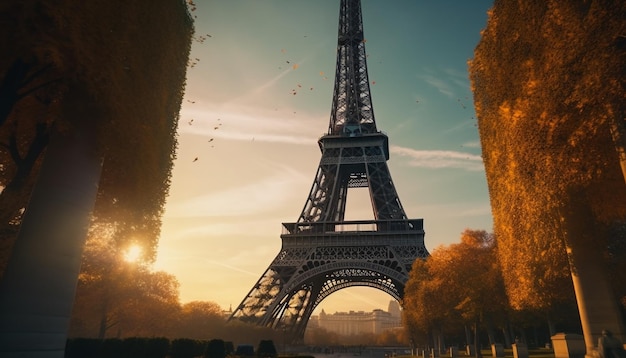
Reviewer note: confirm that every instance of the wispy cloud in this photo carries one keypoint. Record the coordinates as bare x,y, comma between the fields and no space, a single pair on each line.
461,126
439,159
475,210
447,81
473,144
441,85
260,196
243,123
232,267
266,85
459,78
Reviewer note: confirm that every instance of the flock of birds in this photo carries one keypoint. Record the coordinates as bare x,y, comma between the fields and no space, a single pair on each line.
294,91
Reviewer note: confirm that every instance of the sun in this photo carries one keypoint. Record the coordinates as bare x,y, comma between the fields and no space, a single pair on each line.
133,253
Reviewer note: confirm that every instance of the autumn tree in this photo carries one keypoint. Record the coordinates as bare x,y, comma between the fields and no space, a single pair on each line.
116,298
392,338
317,336
428,309
549,82
457,285
480,285
103,83
201,320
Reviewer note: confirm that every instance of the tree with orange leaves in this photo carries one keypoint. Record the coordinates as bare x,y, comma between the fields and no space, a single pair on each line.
98,85
456,285
549,83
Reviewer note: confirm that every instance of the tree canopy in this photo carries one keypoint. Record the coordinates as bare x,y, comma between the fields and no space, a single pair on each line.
461,285
457,285
549,83
128,61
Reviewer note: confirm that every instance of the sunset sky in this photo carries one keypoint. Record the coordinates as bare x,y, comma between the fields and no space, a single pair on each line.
259,96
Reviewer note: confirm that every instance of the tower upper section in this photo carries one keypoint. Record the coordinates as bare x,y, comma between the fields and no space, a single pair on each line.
352,113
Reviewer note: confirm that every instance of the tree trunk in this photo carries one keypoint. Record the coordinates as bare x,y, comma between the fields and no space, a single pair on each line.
478,353
435,335
597,304
10,85
618,133
535,338
442,342
39,284
491,334
551,327
104,322
507,336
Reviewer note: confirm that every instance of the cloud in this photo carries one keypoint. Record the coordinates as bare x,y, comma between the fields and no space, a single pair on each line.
265,86
247,123
472,144
439,84
232,267
447,81
439,159
461,126
262,195
483,209
459,78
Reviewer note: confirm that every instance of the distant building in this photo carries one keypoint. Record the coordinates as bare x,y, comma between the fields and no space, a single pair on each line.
352,323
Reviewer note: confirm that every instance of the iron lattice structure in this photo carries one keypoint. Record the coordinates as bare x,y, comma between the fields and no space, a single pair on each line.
322,253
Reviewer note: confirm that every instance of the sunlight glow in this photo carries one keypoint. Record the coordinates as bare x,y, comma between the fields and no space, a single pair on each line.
133,253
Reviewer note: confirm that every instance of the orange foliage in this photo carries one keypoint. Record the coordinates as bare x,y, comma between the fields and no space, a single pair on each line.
127,63
549,84
456,285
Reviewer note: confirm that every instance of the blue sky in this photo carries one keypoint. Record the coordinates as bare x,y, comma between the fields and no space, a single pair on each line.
259,96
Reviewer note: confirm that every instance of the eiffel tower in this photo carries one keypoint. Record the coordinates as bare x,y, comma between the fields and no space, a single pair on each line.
322,253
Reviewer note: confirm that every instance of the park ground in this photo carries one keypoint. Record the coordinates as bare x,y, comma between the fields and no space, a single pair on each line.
381,352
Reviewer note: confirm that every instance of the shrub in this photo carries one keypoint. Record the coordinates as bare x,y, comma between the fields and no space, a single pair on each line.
245,350
266,349
157,347
112,348
82,348
134,347
215,349
229,347
186,348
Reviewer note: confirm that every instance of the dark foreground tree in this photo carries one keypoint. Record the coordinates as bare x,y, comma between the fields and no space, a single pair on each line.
549,83
113,76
